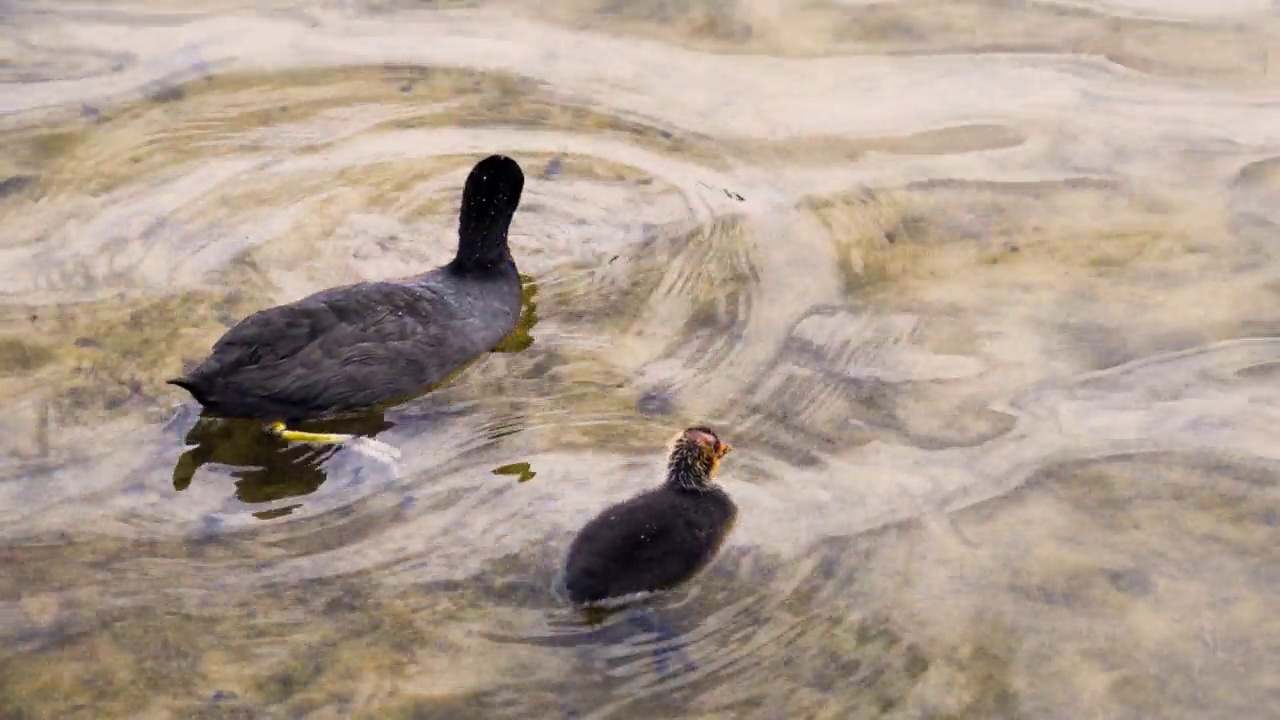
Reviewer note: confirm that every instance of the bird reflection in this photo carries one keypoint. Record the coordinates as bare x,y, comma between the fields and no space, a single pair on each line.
658,631
522,337
270,468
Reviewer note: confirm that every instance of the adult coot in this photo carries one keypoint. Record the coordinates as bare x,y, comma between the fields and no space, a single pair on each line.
372,343
660,538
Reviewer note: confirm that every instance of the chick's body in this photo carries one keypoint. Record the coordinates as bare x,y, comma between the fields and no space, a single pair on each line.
651,542
660,538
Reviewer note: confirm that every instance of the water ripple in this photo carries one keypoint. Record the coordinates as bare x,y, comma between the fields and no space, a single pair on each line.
999,366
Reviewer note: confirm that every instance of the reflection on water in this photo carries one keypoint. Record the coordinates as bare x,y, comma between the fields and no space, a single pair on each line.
271,468
984,293
520,470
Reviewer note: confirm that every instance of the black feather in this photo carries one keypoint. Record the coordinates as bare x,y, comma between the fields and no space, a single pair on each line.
370,343
653,541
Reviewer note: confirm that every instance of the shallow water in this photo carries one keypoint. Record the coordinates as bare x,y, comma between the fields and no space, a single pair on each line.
983,293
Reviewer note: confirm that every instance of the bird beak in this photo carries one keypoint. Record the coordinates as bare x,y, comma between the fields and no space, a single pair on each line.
725,448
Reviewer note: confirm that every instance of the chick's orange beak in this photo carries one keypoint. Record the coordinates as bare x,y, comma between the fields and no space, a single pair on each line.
725,448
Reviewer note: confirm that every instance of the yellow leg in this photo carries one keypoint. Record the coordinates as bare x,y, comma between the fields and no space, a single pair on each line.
278,429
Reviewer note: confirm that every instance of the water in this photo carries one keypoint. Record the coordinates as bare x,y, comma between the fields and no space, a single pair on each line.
983,294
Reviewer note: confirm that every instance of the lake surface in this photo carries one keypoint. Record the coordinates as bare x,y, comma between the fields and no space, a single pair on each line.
985,294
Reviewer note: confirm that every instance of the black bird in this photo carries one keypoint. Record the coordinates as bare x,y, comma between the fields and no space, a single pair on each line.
660,538
372,343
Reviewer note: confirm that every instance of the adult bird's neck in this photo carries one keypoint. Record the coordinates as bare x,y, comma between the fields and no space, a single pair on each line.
482,246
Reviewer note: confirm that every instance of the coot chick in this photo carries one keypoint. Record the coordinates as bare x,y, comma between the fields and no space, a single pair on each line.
660,538
374,343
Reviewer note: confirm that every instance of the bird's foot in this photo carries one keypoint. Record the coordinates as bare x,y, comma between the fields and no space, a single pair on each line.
284,433
373,448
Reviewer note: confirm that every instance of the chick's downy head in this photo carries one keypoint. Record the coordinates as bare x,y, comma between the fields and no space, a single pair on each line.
696,454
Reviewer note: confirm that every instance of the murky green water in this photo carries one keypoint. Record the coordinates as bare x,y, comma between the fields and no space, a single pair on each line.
985,295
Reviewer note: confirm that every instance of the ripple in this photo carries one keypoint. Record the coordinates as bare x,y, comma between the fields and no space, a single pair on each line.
989,358
1144,35
843,378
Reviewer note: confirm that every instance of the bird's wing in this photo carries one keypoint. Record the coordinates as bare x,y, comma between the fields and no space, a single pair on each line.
345,315
350,346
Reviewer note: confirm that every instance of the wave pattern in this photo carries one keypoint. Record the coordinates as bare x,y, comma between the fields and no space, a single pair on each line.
999,364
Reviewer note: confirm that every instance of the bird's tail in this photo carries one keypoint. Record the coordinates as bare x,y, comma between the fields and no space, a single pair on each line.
191,386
